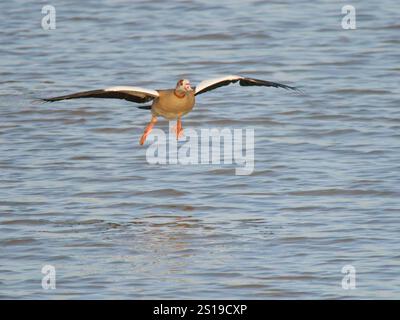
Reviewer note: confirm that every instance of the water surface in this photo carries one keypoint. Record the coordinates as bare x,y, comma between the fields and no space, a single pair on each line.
76,191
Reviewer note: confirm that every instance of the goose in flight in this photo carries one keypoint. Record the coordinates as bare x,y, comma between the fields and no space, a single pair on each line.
171,104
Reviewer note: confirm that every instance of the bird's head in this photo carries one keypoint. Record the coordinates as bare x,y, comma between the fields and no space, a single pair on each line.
183,86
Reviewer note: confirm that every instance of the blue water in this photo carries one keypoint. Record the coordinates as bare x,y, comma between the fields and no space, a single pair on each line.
77,193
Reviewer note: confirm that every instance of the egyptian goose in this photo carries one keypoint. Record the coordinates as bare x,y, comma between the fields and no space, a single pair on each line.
172,103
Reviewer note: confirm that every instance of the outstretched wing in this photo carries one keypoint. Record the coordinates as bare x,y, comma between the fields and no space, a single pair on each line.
134,94
211,84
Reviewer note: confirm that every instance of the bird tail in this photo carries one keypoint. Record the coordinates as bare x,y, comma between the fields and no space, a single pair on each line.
145,107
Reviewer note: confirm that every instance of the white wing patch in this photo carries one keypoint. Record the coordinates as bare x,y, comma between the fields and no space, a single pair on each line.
207,83
150,92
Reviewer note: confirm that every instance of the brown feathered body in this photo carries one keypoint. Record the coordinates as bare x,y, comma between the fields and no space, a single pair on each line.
171,106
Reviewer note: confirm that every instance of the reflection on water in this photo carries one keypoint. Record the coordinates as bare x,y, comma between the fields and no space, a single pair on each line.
77,193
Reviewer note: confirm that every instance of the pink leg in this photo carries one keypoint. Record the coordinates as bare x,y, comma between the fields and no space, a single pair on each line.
148,130
179,130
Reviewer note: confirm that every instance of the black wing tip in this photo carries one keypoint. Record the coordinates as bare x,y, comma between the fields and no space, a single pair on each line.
245,81
44,100
295,89
53,99
36,100
298,91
